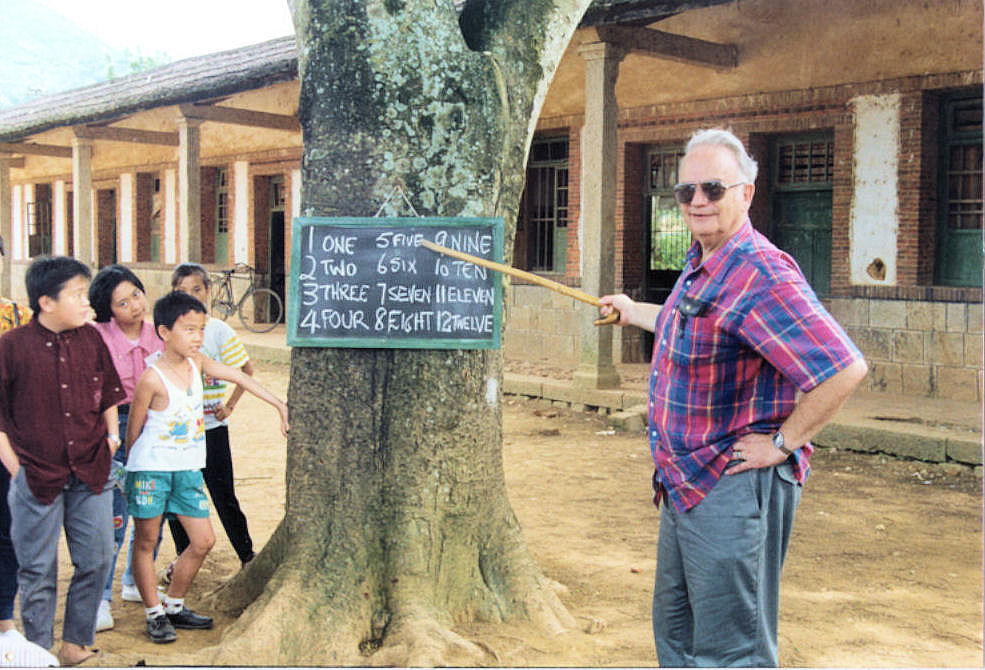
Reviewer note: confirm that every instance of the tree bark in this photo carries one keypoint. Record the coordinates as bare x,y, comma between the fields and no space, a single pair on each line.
397,523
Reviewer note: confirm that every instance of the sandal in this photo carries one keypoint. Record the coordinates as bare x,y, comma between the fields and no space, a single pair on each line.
92,660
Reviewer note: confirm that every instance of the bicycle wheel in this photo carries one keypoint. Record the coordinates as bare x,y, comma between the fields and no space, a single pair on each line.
261,311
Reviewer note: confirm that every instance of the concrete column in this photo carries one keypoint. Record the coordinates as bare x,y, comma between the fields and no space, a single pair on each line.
82,209
599,152
6,226
189,190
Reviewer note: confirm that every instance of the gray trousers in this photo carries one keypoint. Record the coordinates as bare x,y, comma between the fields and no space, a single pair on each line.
35,530
716,598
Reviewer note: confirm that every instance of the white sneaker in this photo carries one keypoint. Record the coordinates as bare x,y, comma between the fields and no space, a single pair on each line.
16,651
104,618
130,593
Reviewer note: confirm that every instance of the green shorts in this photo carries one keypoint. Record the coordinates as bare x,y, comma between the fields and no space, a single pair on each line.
152,493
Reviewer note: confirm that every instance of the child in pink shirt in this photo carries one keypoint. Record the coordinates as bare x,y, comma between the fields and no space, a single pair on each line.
117,297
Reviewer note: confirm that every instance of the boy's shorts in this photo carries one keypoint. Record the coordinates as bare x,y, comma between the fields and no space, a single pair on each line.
153,493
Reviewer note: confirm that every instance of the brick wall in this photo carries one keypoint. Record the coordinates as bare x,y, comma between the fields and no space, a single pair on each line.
930,157
910,189
572,267
630,226
106,218
209,179
260,229
142,214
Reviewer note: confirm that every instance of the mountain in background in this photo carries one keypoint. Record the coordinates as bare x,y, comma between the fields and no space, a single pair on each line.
41,52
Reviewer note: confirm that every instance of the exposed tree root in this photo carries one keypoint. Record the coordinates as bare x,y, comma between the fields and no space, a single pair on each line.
414,638
235,595
303,615
509,571
290,624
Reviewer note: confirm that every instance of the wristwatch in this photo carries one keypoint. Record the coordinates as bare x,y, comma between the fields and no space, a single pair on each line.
114,438
780,443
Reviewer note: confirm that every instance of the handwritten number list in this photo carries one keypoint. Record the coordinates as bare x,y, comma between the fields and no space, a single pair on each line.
378,282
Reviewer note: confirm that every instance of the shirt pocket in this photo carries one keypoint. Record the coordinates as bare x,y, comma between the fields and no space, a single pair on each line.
704,351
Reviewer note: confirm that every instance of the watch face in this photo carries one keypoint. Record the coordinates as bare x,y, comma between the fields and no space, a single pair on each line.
778,441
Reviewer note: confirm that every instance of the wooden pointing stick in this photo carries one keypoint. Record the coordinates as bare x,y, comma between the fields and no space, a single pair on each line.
529,276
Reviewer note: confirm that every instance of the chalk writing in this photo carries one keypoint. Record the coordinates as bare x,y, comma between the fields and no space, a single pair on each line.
369,283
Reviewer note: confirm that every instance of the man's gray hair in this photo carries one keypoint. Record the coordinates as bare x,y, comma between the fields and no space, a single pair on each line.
725,138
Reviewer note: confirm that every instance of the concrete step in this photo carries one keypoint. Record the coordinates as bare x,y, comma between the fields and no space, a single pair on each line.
925,429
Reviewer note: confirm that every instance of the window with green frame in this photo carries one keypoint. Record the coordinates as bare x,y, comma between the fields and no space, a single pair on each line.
222,216
543,220
959,221
38,215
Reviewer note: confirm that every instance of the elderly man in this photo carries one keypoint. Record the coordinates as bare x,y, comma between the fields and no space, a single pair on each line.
739,336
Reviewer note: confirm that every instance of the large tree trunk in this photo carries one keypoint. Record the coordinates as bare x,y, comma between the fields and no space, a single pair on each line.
397,522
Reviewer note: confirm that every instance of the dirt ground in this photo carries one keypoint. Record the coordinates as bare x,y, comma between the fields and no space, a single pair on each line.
884,569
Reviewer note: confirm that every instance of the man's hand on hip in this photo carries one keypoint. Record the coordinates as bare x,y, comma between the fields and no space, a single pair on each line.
756,451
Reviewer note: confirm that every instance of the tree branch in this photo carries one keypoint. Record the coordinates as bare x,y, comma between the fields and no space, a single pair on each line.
519,32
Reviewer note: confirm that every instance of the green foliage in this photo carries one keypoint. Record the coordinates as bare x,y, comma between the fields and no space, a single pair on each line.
134,62
671,240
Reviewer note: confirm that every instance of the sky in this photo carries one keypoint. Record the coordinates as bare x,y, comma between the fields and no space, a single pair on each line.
179,28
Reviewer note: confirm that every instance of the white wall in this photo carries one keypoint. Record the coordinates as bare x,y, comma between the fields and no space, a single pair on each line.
874,224
295,198
170,217
17,249
241,210
128,219
59,219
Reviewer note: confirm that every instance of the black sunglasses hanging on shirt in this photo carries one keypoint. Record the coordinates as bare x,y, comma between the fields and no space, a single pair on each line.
689,306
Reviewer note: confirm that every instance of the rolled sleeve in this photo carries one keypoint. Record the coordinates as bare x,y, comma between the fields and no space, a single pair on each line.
789,327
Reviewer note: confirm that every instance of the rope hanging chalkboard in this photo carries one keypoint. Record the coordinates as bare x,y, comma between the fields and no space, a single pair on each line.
397,189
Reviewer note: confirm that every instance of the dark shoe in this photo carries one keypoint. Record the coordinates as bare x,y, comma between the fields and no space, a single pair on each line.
249,558
188,619
161,630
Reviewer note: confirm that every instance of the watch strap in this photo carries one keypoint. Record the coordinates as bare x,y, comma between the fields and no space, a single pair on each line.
780,443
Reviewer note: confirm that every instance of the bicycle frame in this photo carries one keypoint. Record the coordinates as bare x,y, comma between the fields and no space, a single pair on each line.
225,302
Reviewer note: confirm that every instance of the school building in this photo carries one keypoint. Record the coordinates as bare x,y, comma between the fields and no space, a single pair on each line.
865,118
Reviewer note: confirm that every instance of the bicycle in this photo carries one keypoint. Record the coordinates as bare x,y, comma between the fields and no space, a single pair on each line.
260,309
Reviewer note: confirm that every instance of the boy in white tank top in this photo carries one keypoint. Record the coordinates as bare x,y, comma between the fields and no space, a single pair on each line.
164,463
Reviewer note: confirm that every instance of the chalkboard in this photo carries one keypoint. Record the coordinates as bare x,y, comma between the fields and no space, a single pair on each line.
367,282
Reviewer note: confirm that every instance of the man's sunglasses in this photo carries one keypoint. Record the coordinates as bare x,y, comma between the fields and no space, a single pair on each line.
714,190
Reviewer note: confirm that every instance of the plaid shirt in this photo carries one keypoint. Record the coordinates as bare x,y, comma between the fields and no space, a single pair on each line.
734,367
